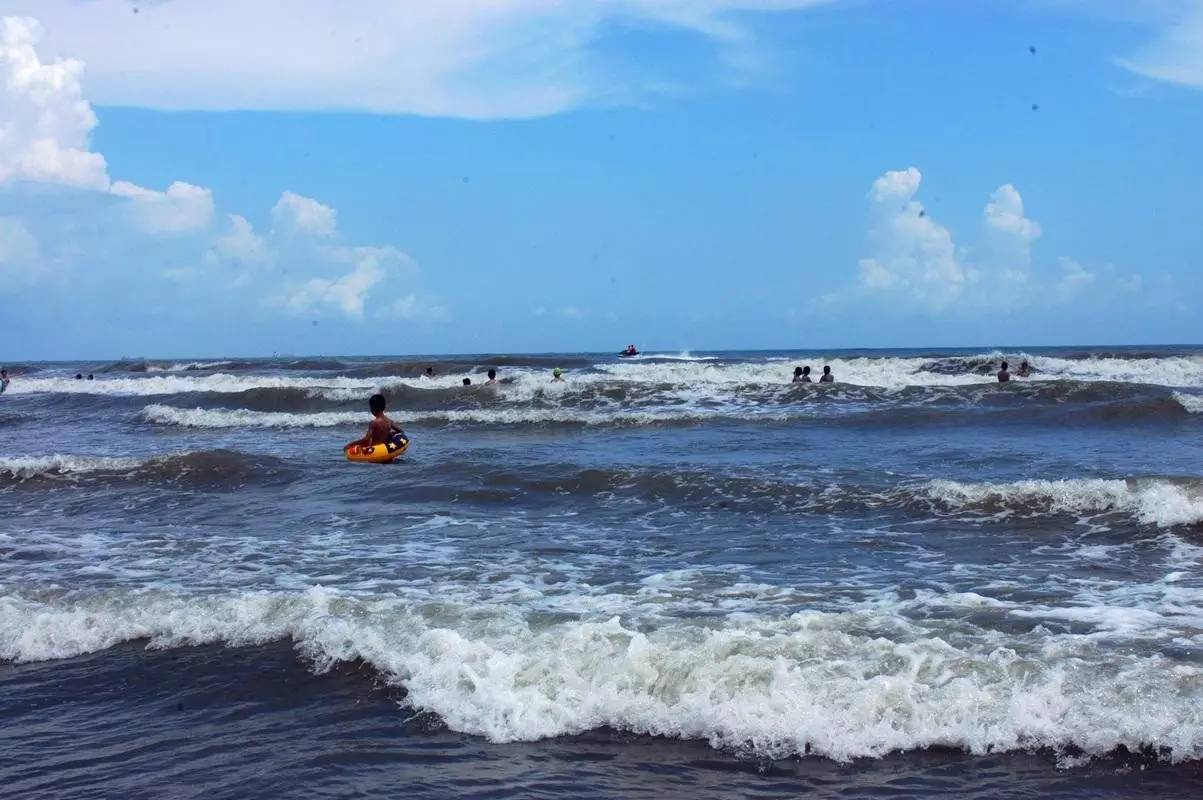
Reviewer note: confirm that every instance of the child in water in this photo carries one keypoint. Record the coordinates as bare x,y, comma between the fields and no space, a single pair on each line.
381,430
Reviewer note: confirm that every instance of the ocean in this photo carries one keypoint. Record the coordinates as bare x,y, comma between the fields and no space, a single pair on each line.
675,575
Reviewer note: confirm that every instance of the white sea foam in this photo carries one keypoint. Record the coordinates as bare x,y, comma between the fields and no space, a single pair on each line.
685,371
188,365
1153,502
1171,371
24,467
244,418
841,685
1191,402
179,384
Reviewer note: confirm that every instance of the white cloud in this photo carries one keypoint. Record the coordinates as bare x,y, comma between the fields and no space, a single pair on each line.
349,293
1004,213
1074,280
1012,233
912,254
18,248
241,245
1176,53
917,264
45,123
295,213
183,208
467,58
896,184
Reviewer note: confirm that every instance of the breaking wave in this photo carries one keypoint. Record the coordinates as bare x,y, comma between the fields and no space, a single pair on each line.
207,468
242,418
1151,501
837,684
1193,403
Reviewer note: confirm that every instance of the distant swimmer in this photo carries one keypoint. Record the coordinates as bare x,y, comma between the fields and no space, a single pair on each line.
4,380
1025,371
79,376
467,381
429,373
381,429
827,376
557,374
90,376
1003,375
802,375
492,376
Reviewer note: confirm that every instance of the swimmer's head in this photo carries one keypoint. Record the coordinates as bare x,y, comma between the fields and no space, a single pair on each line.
557,372
377,403
806,370
1004,365
826,370
492,374
467,381
797,371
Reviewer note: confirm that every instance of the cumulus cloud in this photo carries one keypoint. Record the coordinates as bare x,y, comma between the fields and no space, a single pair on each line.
912,253
240,245
45,122
349,293
1004,213
916,264
294,213
464,58
896,184
183,208
1011,232
348,274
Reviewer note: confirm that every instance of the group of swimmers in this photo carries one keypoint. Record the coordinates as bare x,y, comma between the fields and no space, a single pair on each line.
468,381
557,376
1004,375
802,375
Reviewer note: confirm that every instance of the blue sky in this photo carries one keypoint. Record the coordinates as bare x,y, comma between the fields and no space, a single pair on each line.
535,176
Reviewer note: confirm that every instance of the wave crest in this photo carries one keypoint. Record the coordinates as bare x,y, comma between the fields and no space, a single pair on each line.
208,468
841,685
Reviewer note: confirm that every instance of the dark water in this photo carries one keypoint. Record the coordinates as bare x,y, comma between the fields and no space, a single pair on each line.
676,575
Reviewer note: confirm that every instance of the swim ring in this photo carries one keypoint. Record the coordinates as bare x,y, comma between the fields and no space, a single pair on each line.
378,453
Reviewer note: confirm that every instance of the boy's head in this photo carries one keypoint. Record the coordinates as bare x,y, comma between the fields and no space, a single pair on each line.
797,370
377,403
492,374
806,370
467,381
826,370
1004,365
557,372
